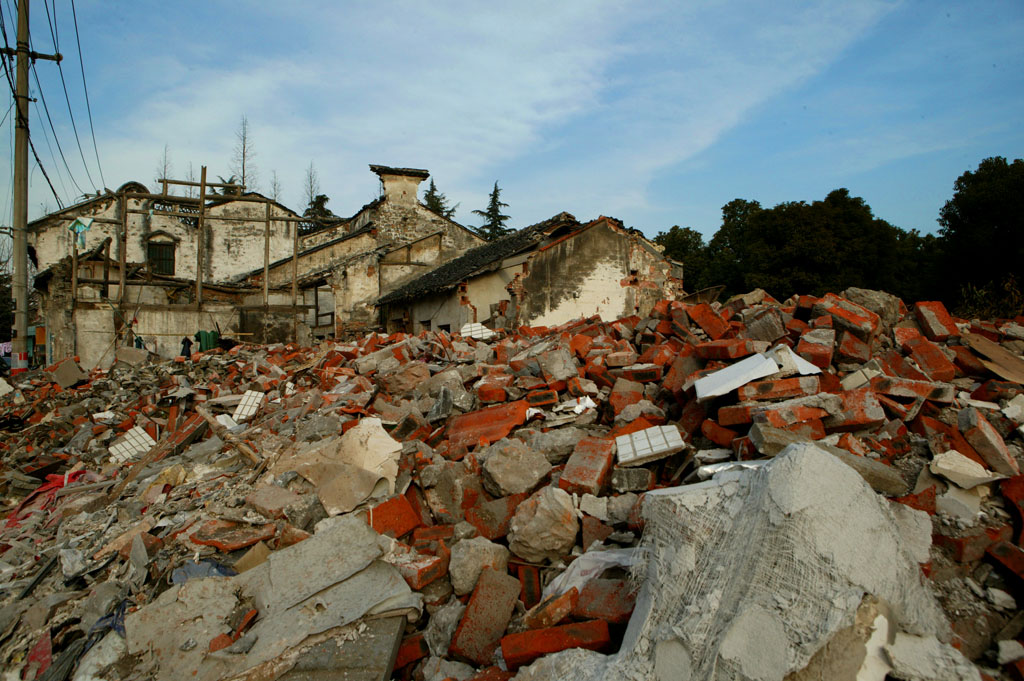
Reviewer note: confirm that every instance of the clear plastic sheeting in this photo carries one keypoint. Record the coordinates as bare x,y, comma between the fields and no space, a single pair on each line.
746,576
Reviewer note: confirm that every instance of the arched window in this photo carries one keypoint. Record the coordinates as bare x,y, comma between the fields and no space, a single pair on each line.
160,248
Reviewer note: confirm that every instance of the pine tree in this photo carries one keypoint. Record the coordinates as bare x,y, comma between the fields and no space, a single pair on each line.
494,227
437,202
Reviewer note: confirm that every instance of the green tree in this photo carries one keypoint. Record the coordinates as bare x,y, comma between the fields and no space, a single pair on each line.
686,245
437,202
829,245
317,208
982,237
494,225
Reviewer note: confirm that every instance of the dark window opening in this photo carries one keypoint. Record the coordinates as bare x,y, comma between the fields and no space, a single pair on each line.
161,258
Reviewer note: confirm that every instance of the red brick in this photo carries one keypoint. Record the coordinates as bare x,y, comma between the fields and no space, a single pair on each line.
525,647
542,398
987,442
489,424
737,414
785,417
722,437
490,393
902,387
492,518
611,600
895,364
930,359
421,570
650,373
849,315
620,359
529,584
970,548
593,529
580,345
1010,556
935,321
943,437
812,429
394,517
229,536
725,349
860,411
412,648
586,471
967,362
625,393
709,320
1013,492
551,610
781,389
817,353
922,501
486,617
853,349
996,391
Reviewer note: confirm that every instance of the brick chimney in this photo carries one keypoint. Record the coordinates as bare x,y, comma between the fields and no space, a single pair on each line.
401,185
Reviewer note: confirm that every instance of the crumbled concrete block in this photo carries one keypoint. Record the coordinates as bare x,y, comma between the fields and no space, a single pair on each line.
544,526
470,557
511,467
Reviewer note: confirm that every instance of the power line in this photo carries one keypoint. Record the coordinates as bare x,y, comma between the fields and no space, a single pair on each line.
42,97
88,108
14,93
74,127
52,155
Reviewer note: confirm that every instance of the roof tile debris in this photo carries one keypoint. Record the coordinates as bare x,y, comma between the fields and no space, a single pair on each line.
446,506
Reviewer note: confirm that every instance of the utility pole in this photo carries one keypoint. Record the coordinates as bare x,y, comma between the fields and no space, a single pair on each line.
19,283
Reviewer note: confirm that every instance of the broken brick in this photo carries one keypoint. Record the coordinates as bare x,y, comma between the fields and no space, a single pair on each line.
525,647
611,600
935,321
587,469
487,425
486,617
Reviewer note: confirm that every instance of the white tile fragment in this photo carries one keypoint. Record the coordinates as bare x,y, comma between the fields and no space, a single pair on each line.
248,407
477,331
649,444
131,445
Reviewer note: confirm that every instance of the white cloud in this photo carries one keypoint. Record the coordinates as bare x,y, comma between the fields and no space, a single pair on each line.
573,105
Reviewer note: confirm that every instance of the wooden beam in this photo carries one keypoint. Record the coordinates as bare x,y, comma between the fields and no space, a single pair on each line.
199,244
122,256
266,257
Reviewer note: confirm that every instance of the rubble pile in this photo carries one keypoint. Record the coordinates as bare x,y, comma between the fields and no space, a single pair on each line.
817,488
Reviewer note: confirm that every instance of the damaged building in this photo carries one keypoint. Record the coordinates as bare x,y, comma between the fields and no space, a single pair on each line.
159,267
543,275
133,266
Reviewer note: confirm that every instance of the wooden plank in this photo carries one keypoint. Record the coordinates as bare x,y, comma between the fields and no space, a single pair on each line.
1001,361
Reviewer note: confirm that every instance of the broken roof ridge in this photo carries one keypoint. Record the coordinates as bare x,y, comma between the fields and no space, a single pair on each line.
454,271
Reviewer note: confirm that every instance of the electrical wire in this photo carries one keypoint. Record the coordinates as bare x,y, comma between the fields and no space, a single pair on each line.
46,108
49,146
88,108
24,121
74,127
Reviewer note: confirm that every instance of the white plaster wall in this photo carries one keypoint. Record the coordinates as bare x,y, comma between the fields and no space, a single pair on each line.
182,322
600,292
95,335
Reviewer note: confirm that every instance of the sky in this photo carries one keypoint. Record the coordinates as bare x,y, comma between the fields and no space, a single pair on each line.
656,113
